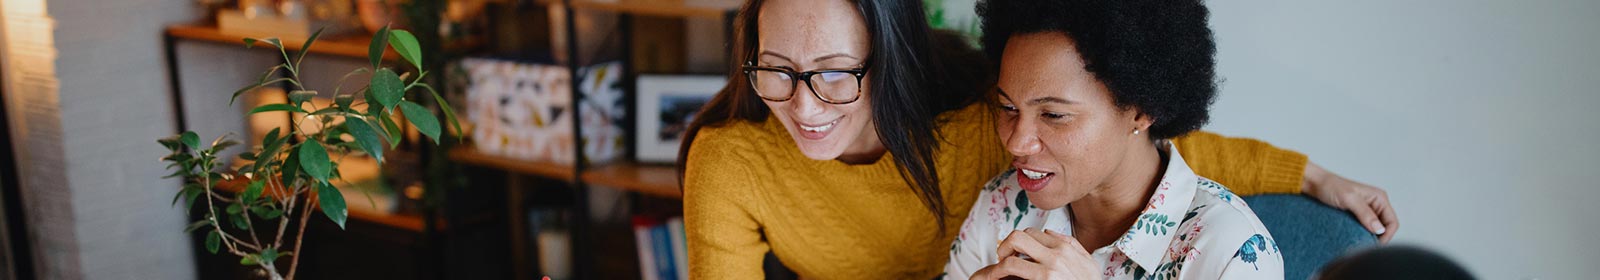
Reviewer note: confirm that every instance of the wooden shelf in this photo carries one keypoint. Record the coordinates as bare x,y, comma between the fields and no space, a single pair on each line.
653,180
649,8
470,155
349,45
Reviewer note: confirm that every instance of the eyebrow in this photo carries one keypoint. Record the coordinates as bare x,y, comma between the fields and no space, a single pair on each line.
765,53
818,59
1037,101
833,56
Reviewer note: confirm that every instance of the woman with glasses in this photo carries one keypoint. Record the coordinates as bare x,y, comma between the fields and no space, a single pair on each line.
850,140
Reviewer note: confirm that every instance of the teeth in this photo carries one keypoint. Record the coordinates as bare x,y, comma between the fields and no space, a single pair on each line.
819,128
1033,175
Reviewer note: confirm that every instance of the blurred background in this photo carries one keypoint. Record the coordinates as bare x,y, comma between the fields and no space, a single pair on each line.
1471,114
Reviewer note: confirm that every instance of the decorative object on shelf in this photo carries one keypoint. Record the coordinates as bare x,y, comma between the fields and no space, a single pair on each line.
284,18
524,110
292,169
212,7
519,110
667,104
550,230
376,14
603,111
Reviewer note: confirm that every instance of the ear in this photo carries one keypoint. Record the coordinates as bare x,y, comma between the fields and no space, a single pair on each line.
1142,121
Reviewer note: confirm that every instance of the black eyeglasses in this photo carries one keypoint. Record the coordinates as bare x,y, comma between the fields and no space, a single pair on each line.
834,86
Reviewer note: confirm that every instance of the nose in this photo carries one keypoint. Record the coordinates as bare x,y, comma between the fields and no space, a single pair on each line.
805,103
1022,139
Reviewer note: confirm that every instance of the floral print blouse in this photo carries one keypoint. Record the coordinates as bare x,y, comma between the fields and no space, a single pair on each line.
1192,228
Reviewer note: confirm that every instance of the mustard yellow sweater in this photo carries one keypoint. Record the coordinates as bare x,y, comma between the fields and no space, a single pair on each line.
748,190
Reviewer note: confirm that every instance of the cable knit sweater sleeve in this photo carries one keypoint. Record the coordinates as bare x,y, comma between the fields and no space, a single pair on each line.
723,233
1247,166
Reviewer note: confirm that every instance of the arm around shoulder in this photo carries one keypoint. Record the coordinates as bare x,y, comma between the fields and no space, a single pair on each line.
1245,165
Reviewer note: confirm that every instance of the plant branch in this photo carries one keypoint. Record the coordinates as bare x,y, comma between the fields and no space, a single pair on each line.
294,261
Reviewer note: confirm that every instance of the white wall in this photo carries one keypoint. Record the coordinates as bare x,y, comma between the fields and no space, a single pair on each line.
93,96
1475,115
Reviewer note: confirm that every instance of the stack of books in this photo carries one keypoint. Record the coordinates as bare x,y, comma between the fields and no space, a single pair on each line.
663,251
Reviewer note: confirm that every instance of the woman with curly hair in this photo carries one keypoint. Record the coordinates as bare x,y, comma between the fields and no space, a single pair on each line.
1090,93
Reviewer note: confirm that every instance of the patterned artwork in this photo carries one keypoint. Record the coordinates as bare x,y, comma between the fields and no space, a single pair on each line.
524,110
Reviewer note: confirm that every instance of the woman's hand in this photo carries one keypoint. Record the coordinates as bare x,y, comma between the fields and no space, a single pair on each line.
1038,254
1369,204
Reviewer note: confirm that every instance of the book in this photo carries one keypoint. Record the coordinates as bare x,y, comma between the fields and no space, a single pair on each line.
661,243
680,252
647,255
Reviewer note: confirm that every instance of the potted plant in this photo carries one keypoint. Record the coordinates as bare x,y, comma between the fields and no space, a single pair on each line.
289,174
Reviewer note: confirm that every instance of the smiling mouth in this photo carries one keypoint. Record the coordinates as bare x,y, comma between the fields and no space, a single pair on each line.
1034,175
821,128
1033,180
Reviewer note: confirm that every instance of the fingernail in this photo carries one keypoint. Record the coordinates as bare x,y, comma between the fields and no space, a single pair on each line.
1380,228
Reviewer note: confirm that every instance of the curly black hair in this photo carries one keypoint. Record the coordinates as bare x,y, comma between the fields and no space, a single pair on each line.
1154,55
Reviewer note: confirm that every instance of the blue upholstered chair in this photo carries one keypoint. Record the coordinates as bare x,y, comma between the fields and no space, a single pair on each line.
1310,233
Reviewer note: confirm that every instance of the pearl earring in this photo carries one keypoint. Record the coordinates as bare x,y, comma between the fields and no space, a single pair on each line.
1135,132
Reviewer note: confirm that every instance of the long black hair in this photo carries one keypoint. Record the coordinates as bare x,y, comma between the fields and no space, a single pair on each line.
917,74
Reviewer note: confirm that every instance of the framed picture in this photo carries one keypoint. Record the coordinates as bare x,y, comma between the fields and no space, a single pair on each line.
667,104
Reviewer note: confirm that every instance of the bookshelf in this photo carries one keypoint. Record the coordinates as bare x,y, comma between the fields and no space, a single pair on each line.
599,251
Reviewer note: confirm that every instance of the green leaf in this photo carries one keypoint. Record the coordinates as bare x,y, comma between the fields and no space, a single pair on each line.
421,118
222,143
213,241
193,196
235,209
366,136
239,222
190,139
171,142
449,114
386,88
179,195
325,111
197,225
269,150
344,100
269,254
373,108
251,42
253,192
376,49
271,214
277,107
248,260
291,167
314,160
259,82
406,45
392,129
306,48
301,96
332,203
